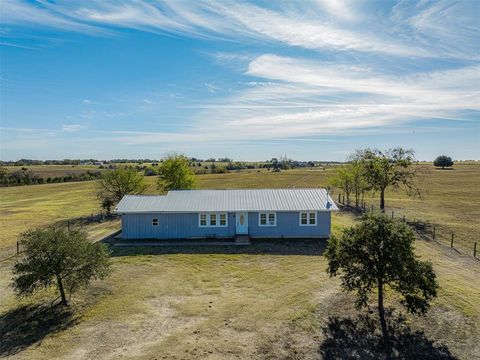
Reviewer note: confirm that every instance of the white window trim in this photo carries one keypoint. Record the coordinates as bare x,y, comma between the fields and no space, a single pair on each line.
200,220
217,219
267,215
308,218
158,222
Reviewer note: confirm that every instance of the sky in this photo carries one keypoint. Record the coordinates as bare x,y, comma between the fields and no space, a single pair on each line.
312,80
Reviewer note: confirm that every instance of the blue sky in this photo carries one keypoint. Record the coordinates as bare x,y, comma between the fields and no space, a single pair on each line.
247,80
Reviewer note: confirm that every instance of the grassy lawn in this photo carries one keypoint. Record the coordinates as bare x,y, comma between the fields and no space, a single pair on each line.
270,300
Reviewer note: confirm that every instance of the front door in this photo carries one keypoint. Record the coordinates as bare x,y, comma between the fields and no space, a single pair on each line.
242,223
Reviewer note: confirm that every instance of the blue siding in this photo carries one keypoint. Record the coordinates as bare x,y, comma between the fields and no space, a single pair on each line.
288,225
172,226
185,226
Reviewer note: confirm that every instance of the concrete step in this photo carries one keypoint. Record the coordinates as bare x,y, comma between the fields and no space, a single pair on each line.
242,240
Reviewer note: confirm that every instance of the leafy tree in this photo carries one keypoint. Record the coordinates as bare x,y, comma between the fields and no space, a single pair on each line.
360,185
343,180
391,168
443,161
54,255
115,184
376,254
176,174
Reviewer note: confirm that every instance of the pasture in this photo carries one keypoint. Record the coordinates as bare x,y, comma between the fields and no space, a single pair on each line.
450,199
270,300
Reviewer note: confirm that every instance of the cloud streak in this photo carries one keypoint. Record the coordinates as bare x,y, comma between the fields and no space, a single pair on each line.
306,26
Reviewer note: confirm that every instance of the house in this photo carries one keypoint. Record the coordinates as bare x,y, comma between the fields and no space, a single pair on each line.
256,213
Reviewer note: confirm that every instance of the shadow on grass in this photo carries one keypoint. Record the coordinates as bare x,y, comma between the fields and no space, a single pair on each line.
360,338
27,325
313,247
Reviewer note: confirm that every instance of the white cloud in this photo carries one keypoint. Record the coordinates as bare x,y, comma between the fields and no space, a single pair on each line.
406,33
20,12
72,127
296,98
338,8
212,88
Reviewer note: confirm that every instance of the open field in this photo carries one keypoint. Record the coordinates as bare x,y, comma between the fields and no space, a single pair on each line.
451,199
268,300
22,207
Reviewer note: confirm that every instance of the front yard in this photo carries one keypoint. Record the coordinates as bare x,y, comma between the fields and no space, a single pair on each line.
266,300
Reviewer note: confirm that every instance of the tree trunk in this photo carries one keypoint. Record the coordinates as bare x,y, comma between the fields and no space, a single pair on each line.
382,200
62,291
381,314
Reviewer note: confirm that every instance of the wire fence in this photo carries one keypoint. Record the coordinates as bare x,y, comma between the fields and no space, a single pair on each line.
424,229
74,224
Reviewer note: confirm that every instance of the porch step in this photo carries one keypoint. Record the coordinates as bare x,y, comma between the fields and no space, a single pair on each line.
242,240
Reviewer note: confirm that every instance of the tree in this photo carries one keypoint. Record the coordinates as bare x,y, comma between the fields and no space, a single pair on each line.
391,168
54,255
343,180
175,174
376,254
115,184
443,161
360,186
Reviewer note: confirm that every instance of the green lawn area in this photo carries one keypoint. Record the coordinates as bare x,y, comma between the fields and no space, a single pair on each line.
270,300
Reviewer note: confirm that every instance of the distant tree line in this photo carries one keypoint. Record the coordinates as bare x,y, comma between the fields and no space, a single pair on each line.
24,176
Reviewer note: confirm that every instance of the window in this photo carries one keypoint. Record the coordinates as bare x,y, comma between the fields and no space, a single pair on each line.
223,219
154,222
212,219
203,219
267,219
263,219
308,218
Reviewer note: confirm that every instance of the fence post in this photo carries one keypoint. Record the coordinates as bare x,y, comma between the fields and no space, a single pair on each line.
433,235
68,225
392,214
18,247
403,218
475,249
451,242
339,198
343,199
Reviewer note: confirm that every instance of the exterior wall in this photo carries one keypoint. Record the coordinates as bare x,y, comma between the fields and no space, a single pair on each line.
172,226
185,226
288,226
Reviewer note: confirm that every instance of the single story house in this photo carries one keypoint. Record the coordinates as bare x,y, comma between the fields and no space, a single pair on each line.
256,213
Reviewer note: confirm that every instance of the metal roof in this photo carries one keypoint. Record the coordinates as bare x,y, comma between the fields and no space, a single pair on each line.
229,201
